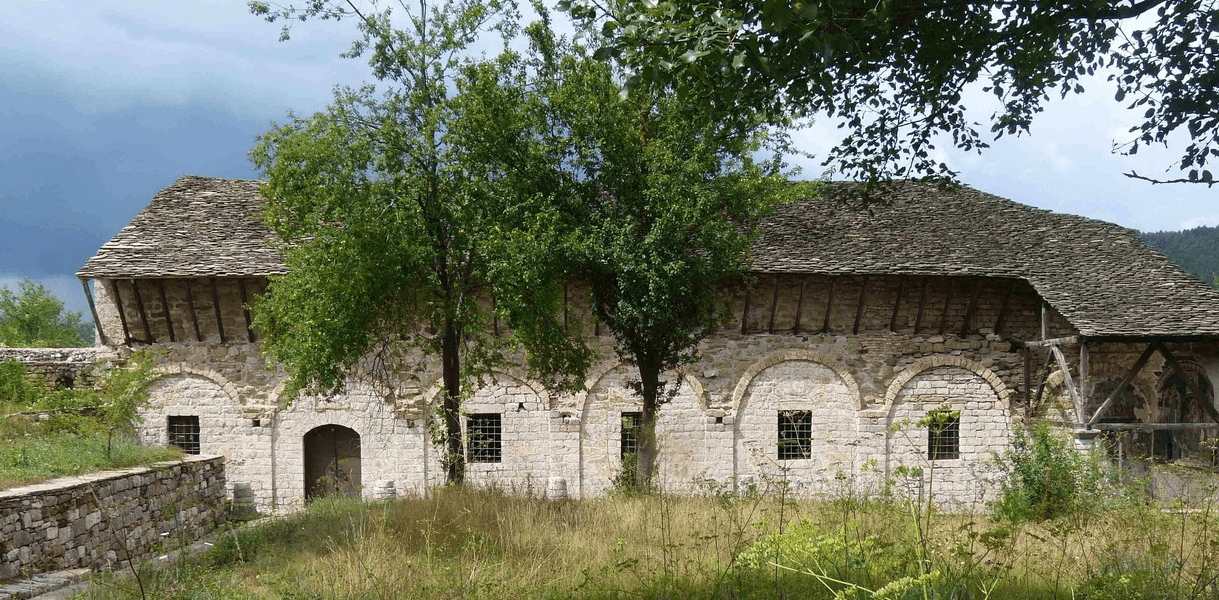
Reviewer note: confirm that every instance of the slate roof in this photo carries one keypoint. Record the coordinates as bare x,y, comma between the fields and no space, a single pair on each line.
1100,276
197,227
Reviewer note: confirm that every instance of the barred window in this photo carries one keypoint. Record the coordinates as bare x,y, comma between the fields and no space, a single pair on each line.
484,433
944,439
631,422
184,433
795,434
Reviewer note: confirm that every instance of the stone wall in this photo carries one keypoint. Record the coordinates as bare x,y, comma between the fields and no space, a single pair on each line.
81,521
60,367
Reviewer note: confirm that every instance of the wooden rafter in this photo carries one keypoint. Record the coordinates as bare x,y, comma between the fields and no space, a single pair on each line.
947,303
973,306
829,305
169,322
922,303
245,310
1130,375
139,304
897,303
863,295
190,309
216,309
774,307
1003,306
97,324
799,305
118,301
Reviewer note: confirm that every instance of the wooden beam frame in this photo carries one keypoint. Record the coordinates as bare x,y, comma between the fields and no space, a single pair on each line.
1045,368
799,305
1068,382
190,308
829,305
169,322
1011,287
774,306
897,303
139,303
973,306
922,302
1169,426
863,295
245,299
216,309
1071,339
97,324
947,303
1130,375
1085,382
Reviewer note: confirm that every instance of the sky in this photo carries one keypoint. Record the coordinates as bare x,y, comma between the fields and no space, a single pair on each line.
102,104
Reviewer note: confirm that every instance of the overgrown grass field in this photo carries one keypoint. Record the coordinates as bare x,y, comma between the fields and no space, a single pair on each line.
459,543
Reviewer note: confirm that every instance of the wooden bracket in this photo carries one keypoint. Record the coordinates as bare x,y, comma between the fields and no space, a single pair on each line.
169,322
190,309
97,324
139,303
863,295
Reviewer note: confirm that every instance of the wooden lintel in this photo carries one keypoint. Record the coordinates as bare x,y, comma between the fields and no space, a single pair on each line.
97,324
922,303
799,305
190,310
1130,375
745,310
863,295
947,303
169,322
216,309
774,307
1071,339
829,305
1191,390
897,304
118,301
139,304
1143,426
973,306
1003,307
1068,382
245,310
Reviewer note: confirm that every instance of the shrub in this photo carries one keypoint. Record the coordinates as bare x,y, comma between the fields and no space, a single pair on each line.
1048,478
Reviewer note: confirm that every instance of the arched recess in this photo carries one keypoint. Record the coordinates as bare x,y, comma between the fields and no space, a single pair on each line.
1173,386
684,427
332,462
932,362
797,416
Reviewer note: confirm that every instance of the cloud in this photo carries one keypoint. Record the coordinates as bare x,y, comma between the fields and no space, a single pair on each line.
1195,222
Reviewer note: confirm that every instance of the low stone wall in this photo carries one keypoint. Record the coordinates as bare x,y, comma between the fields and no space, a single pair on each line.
80,521
60,367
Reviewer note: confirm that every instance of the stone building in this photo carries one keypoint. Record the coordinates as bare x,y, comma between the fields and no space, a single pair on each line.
856,324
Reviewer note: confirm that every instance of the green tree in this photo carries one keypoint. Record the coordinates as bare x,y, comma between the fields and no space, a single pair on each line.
32,317
393,230
895,72
660,199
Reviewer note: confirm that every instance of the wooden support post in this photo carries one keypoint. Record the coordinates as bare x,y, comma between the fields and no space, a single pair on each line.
97,324
1085,384
139,304
118,301
1068,383
169,322
1130,375
863,295
922,302
799,305
216,308
897,304
1028,377
745,310
1045,368
1003,307
190,309
245,310
973,306
947,303
1043,308
829,305
774,307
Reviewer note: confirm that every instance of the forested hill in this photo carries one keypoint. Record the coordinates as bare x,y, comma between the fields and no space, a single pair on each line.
1194,250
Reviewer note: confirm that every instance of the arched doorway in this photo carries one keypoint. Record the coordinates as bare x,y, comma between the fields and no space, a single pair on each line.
332,462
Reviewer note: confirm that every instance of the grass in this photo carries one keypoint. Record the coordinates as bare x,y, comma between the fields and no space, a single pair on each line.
482,544
36,457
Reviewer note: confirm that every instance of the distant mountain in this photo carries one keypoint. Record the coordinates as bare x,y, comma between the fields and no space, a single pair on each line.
1195,250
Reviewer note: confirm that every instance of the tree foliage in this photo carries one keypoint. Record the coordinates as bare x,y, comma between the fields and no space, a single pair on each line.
895,72
394,230
1195,250
32,317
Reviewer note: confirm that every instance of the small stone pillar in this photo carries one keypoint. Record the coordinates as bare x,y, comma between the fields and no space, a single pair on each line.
556,488
384,489
1085,438
243,501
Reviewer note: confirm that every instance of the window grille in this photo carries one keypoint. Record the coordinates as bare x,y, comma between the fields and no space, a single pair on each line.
184,433
485,435
944,439
631,422
795,434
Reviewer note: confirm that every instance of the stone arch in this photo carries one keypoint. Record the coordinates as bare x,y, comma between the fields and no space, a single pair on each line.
432,395
933,362
182,368
1171,408
794,354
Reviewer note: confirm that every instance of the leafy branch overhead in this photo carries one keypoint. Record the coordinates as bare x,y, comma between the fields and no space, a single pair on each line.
895,72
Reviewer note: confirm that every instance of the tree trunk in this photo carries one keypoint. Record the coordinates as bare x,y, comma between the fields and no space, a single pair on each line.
454,459
649,379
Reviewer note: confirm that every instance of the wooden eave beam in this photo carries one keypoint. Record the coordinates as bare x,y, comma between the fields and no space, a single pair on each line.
1130,375
97,324
774,307
799,305
947,303
1007,297
118,302
922,303
169,323
190,309
829,305
216,309
973,306
245,310
897,304
139,303
863,295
